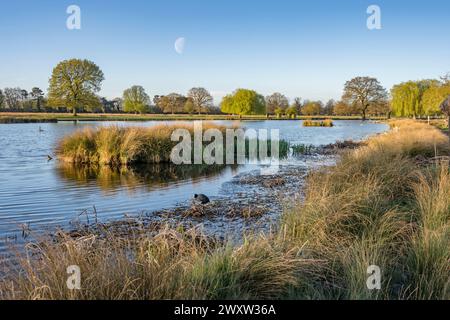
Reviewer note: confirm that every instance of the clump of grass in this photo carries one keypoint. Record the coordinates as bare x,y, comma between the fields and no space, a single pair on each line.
302,149
116,145
318,123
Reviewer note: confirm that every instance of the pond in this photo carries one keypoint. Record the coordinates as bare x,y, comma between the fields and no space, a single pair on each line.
43,194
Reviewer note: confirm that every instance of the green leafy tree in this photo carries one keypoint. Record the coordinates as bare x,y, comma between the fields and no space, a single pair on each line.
74,84
38,97
244,102
279,112
291,112
189,106
276,101
407,97
226,106
362,92
135,100
445,109
433,97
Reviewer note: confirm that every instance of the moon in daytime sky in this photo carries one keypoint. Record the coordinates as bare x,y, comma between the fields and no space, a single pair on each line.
179,45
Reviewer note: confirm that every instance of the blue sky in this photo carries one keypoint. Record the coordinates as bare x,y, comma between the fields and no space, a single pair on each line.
300,48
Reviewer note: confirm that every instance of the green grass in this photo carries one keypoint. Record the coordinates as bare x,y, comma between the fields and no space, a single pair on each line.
386,203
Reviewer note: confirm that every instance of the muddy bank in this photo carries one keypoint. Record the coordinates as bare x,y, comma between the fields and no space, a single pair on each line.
250,202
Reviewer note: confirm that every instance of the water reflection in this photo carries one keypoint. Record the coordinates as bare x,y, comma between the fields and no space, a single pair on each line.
148,177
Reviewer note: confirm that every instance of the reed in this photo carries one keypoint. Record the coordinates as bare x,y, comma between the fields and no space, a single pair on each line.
319,123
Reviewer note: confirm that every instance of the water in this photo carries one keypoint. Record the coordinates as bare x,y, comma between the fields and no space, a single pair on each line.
45,193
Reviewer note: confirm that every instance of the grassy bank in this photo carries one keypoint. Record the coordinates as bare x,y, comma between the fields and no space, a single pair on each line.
15,117
386,204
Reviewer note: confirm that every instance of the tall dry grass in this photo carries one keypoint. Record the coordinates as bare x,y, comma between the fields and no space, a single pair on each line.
385,204
376,208
114,145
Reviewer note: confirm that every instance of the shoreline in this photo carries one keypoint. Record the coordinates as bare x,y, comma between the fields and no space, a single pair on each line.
13,117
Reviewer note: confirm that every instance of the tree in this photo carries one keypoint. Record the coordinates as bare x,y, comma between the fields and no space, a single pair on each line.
362,92
445,109
117,104
244,102
2,99
291,112
189,106
329,106
201,99
407,97
433,97
13,97
312,108
276,101
135,100
74,84
37,95
342,108
172,103
297,104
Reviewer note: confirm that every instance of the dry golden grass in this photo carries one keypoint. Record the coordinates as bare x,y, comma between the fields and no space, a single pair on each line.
386,203
116,145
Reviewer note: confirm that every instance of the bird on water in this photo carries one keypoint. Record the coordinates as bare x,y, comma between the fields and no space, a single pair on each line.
201,198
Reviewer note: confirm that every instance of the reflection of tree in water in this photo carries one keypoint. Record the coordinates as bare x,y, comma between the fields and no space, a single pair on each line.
149,176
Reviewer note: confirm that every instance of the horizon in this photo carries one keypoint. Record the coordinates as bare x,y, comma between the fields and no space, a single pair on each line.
298,49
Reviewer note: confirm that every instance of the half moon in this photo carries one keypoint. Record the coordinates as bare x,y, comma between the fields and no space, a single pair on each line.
179,45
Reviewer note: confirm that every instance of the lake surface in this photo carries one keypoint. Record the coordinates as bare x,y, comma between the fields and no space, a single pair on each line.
45,193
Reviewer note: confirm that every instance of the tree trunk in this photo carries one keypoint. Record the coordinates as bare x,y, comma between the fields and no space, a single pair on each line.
74,111
364,115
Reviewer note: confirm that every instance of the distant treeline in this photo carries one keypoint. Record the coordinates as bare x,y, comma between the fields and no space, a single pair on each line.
363,96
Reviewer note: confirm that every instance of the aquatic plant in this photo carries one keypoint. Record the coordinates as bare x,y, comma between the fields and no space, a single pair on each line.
318,123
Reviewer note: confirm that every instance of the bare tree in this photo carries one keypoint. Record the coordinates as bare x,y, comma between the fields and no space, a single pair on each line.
13,97
362,92
172,103
276,101
201,99
2,99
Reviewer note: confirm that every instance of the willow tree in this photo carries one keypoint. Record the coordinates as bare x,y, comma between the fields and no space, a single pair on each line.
408,98
135,100
433,97
244,102
363,92
74,84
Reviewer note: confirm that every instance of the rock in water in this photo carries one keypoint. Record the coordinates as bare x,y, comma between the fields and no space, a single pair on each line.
201,198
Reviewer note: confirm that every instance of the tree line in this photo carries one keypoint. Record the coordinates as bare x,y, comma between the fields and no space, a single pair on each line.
75,83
